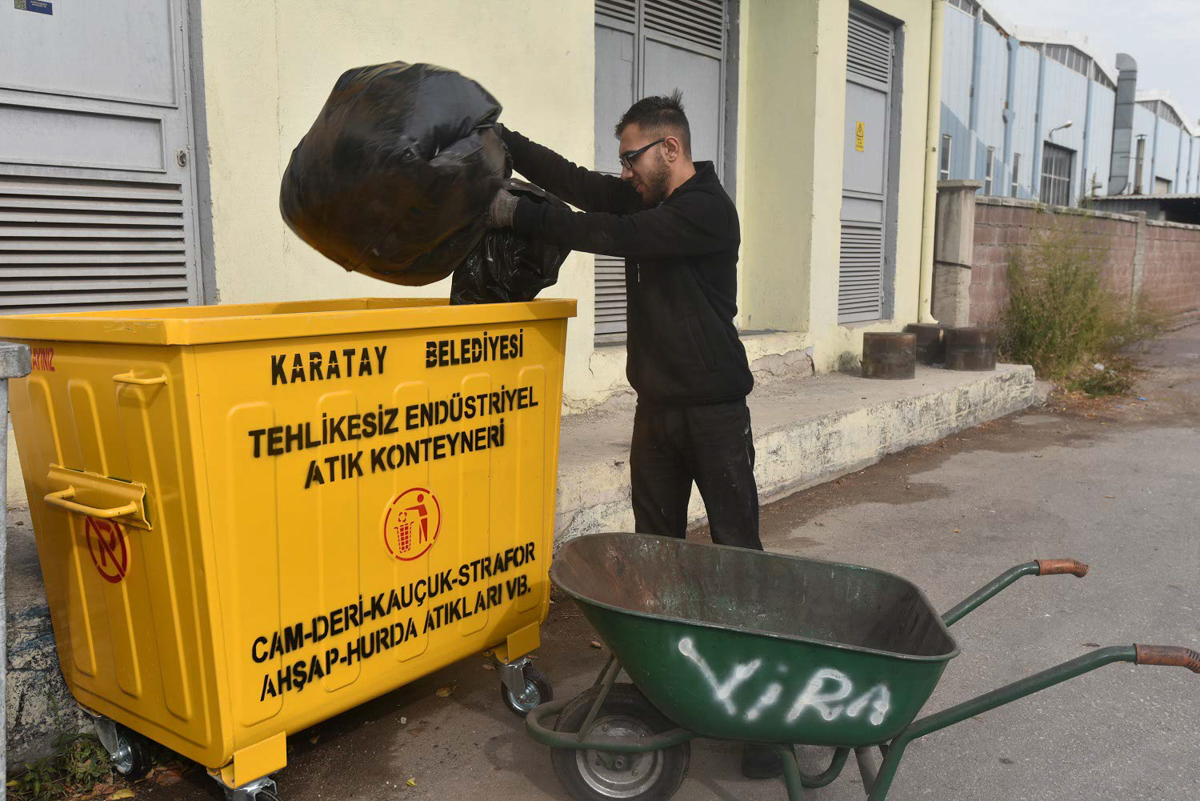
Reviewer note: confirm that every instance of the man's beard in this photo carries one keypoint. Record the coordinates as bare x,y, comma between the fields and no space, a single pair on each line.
657,182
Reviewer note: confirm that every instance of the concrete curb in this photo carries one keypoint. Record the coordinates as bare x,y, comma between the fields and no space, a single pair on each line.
806,433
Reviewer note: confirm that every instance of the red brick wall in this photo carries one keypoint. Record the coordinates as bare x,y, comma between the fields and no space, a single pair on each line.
1001,226
1171,278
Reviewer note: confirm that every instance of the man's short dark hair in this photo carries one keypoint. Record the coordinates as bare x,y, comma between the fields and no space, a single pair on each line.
659,116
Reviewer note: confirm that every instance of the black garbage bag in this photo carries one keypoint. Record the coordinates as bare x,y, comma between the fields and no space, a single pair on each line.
394,177
507,267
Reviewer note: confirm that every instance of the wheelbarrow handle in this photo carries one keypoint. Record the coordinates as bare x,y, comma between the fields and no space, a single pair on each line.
1169,655
1040,567
1052,567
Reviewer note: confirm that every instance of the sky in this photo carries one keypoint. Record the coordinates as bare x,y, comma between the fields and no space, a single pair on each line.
1163,36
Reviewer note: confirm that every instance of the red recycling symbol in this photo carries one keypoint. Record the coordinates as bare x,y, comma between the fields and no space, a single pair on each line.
109,550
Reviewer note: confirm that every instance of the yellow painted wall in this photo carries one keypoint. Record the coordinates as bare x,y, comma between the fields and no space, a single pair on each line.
269,66
794,103
779,58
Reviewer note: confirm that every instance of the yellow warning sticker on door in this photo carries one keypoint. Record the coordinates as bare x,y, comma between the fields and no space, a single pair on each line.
860,132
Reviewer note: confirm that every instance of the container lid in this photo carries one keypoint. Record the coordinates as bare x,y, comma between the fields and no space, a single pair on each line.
205,325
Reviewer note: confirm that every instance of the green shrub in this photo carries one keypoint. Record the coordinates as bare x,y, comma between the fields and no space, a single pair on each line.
1061,318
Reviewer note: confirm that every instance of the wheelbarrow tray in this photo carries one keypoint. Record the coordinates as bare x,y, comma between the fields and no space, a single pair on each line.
736,644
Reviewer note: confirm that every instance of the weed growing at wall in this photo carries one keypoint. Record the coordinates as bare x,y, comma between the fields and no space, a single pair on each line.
1062,319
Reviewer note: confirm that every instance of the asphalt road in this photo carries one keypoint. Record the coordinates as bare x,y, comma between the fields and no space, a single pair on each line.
1115,484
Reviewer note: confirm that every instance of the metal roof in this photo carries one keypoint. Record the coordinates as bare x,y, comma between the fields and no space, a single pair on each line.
1150,95
1172,196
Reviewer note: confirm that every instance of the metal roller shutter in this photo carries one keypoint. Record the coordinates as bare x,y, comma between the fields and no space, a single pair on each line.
74,245
869,57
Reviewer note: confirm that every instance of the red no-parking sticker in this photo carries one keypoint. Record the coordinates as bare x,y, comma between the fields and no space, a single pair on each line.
109,550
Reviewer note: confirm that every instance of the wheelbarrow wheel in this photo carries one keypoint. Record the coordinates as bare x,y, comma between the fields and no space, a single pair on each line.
537,692
600,776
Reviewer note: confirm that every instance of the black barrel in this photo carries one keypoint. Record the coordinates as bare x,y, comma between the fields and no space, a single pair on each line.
931,345
889,355
971,349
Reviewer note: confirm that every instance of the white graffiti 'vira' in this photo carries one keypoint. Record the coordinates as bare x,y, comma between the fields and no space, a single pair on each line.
725,689
826,692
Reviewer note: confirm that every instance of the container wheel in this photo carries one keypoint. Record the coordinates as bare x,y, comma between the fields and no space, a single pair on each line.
537,691
261,790
132,755
600,776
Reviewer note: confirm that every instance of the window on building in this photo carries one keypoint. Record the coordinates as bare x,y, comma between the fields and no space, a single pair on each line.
989,171
944,157
1057,164
1162,186
1016,175
1069,57
967,6
651,47
1101,77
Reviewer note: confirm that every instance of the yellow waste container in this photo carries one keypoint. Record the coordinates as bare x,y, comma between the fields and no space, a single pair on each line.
253,517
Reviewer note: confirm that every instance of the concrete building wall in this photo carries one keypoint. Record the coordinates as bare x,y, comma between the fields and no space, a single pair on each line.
1024,115
1065,99
990,93
1143,126
1167,153
957,55
1100,137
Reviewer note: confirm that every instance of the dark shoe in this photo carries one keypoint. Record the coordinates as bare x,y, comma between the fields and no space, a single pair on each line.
761,762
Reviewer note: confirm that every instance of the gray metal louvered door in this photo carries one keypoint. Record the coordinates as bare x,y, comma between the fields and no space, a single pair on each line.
650,47
97,182
868,138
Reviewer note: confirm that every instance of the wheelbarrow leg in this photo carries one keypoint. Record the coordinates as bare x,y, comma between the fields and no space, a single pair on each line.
829,774
791,772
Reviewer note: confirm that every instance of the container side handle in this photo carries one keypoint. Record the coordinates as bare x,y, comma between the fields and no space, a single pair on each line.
130,378
61,499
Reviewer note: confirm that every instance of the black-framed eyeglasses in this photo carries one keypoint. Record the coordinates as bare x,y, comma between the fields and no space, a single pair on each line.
627,159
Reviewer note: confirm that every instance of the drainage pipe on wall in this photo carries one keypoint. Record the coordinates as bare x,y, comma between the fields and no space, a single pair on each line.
932,144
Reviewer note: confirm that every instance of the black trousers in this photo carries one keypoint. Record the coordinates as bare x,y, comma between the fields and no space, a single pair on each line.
711,445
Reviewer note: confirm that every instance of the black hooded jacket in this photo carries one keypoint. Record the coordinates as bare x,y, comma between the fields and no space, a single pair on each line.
680,270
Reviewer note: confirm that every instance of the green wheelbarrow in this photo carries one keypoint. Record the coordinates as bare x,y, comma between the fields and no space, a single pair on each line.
743,645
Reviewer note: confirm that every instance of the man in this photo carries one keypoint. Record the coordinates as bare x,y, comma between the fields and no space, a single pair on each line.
678,231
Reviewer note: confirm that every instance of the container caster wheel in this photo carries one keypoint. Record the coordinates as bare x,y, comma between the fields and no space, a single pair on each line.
600,775
128,750
524,687
263,789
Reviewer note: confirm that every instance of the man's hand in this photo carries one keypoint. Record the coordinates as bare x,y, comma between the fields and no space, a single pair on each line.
500,212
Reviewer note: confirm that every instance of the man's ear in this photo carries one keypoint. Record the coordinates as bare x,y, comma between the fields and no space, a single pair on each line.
673,147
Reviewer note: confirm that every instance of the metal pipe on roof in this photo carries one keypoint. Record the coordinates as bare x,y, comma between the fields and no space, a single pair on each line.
1122,141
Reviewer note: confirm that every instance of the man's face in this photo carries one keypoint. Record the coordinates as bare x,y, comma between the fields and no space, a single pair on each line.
648,173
